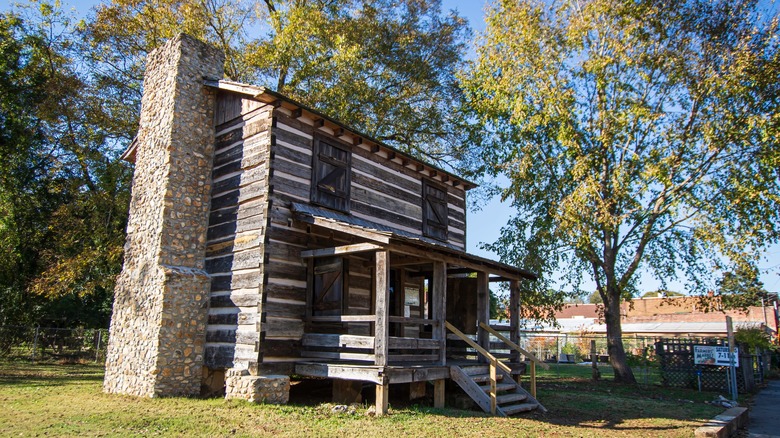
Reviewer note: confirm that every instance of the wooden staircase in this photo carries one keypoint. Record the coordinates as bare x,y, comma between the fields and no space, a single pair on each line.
510,397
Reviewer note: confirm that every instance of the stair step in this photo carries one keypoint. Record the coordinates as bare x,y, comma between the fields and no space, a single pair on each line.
499,387
522,407
473,370
510,398
482,378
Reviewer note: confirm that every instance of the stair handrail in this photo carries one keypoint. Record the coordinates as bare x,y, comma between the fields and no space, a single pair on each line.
521,350
514,346
493,362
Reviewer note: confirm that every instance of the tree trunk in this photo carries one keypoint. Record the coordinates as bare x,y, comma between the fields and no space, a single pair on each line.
617,354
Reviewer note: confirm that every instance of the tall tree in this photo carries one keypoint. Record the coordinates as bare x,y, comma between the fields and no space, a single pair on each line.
385,67
63,192
742,289
635,135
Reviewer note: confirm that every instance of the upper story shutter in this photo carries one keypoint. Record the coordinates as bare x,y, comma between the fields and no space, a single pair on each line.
331,176
435,213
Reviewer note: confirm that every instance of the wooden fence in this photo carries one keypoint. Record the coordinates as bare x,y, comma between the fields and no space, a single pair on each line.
675,357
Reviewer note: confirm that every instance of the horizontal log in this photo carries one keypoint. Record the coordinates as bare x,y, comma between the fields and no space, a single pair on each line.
234,300
345,372
236,281
239,260
297,139
404,374
406,320
240,242
338,356
222,356
413,343
283,291
281,184
370,182
412,358
232,336
337,341
241,318
341,250
282,164
344,318
282,328
276,368
280,347
284,309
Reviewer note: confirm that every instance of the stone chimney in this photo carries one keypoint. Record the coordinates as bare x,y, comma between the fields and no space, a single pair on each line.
158,325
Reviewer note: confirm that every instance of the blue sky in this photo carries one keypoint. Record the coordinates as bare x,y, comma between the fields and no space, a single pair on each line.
485,221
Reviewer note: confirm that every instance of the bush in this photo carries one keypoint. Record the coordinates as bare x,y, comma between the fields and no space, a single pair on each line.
754,338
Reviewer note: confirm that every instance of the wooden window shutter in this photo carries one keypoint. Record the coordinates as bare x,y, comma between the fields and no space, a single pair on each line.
329,286
331,175
435,213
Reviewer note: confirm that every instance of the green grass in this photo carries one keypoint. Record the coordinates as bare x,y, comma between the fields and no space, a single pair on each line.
66,400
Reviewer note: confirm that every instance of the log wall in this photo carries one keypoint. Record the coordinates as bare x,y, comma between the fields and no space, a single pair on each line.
263,163
236,235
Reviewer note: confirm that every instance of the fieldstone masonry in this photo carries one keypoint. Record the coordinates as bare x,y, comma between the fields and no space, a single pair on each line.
161,298
273,389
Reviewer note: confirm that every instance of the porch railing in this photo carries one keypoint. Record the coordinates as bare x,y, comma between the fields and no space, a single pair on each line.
360,346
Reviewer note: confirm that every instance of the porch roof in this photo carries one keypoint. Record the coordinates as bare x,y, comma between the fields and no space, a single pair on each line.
405,241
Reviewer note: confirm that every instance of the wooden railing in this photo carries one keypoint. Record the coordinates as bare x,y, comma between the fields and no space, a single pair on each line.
360,347
521,350
492,361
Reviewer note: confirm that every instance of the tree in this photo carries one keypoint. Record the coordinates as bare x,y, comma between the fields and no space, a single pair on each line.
595,298
385,67
634,135
742,289
63,192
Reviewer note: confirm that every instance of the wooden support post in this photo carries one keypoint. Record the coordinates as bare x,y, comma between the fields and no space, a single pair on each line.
416,390
594,359
346,392
514,319
438,393
382,399
309,294
533,379
493,395
439,297
483,310
382,308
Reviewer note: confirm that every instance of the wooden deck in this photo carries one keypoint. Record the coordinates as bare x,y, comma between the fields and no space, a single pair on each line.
389,374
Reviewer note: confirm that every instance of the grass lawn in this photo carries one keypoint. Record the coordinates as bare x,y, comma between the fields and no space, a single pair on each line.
66,400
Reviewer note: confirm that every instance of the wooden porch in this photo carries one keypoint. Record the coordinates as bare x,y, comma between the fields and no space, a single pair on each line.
406,338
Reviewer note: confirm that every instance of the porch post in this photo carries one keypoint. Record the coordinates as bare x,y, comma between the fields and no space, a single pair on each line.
439,297
483,309
382,306
514,317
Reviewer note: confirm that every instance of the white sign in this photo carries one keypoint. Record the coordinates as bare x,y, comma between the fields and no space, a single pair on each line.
713,355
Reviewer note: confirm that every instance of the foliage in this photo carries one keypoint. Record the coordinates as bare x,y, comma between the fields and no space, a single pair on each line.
63,194
754,338
70,95
634,136
595,298
385,67
662,294
742,289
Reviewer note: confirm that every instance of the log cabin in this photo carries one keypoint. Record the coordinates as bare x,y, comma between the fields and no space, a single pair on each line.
268,239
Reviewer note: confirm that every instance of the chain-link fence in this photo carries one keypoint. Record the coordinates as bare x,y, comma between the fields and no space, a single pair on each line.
569,348
53,344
